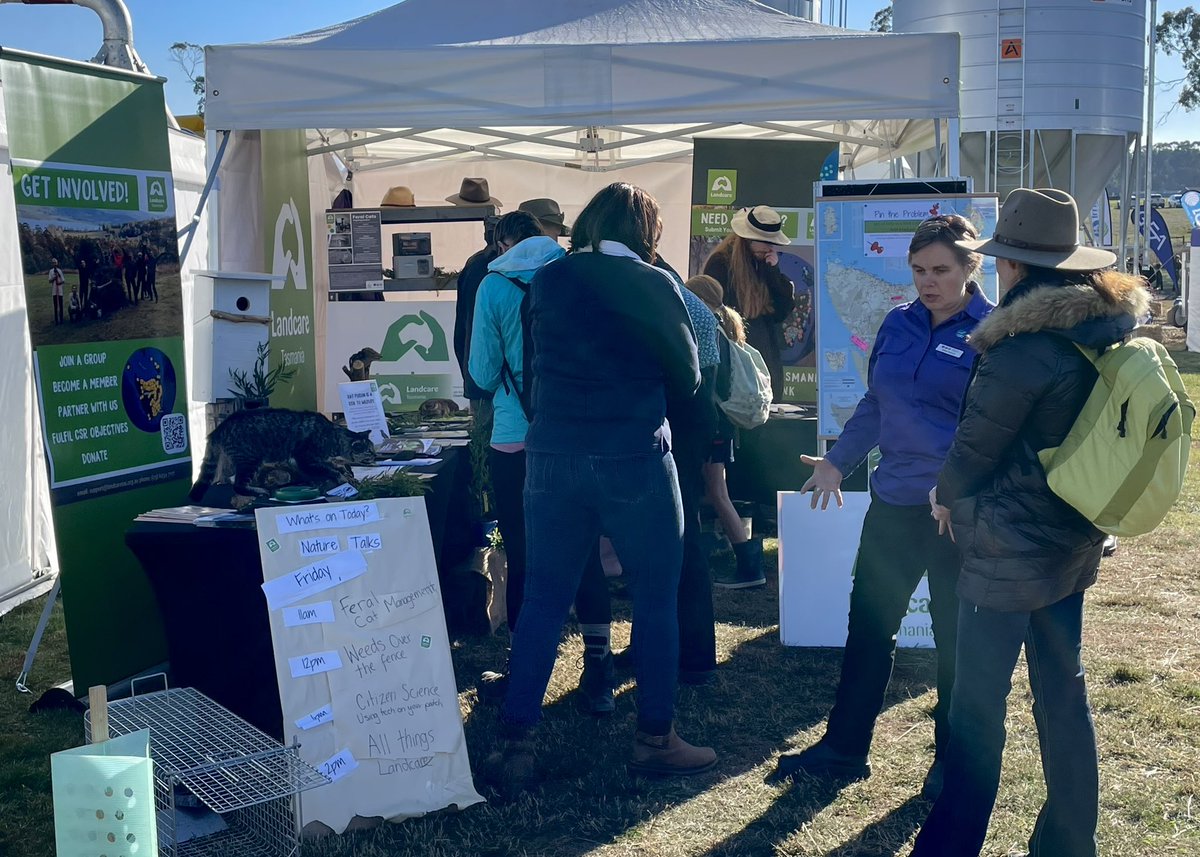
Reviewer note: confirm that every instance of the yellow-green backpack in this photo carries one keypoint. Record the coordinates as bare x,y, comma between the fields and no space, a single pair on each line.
1122,464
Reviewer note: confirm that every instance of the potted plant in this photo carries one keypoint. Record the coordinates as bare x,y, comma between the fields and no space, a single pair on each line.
253,389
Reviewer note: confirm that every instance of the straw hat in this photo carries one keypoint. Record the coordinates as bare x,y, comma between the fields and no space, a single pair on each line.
546,211
1041,227
473,192
400,197
760,223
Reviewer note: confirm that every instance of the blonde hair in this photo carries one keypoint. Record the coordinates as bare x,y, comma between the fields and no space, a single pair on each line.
709,290
752,296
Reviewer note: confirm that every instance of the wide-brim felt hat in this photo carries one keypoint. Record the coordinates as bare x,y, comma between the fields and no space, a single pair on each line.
1040,227
546,210
473,192
400,197
760,223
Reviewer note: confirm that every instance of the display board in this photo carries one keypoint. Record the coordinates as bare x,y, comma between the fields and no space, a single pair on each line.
412,338
862,273
96,222
731,174
354,250
363,658
817,550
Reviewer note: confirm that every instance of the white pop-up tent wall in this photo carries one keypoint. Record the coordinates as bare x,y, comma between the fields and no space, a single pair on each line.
27,549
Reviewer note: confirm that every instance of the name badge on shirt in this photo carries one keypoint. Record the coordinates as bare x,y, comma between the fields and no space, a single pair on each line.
949,349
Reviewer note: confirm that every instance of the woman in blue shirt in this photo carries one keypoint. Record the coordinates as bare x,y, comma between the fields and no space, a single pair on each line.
916,379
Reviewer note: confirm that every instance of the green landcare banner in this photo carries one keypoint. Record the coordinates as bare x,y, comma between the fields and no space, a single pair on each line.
288,242
91,170
731,174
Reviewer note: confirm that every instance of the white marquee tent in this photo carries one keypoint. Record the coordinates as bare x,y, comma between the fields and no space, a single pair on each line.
412,94
482,63
424,92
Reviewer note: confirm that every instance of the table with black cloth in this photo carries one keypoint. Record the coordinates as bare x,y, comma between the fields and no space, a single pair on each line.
207,582
767,460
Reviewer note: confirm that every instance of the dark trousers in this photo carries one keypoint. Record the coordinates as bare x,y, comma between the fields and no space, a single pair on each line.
569,501
989,643
697,632
58,309
592,603
898,545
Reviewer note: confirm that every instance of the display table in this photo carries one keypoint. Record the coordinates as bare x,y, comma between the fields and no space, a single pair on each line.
767,460
207,582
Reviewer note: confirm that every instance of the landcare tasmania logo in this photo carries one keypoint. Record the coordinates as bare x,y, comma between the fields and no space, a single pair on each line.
396,343
156,194
722,187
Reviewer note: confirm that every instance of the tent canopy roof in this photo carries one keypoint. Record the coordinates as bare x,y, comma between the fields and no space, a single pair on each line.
415,24
480,63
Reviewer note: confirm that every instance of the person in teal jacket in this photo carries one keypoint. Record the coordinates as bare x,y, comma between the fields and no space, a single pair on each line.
497,339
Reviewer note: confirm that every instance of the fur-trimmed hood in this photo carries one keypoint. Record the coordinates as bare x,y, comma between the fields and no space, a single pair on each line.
1097,316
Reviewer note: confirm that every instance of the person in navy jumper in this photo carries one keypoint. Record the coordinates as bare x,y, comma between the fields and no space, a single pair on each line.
612,345
916,379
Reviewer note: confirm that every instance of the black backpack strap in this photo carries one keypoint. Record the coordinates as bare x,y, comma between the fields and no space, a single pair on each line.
507,377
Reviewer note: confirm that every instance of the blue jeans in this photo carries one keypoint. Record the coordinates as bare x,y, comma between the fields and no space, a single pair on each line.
569,501
989,642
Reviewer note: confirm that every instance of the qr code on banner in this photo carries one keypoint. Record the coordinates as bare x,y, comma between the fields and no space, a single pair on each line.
174,433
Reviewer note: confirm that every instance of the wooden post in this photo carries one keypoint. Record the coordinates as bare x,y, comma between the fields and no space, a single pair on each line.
98,703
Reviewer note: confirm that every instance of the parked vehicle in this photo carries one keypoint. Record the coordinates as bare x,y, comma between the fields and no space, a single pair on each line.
1175,200
1157,200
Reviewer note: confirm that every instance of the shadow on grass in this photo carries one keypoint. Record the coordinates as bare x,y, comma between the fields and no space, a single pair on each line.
763,698
887,835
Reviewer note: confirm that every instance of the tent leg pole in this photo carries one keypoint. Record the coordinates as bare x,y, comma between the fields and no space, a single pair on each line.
31,652
208,186
953,135
937,146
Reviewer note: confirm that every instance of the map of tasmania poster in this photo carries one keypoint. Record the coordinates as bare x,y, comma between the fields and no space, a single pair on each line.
862,275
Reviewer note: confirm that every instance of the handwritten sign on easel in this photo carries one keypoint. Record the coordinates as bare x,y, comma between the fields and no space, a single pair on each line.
363,658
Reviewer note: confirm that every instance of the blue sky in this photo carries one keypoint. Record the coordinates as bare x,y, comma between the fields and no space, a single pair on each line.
74,32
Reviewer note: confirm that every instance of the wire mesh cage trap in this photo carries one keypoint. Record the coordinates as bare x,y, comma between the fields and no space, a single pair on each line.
208,760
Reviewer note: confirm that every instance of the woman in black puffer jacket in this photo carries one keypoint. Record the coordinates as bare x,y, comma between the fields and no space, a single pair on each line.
1027,555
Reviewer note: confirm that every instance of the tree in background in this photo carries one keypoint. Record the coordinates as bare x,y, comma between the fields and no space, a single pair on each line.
882,21
190,58
1179,33
1176,166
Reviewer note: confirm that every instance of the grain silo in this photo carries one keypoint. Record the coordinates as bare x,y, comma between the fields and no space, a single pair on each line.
1053,91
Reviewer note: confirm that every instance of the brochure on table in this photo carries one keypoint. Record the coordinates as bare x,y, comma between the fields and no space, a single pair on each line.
862,274
363,659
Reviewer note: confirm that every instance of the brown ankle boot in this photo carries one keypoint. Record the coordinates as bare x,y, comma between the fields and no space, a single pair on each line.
669,755
512,767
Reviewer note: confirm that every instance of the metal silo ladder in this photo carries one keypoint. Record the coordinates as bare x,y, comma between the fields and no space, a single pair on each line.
1009,163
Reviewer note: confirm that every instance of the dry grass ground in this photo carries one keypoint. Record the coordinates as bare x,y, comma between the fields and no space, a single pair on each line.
1142,650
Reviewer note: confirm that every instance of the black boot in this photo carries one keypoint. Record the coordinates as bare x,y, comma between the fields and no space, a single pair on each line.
749,570
597,684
